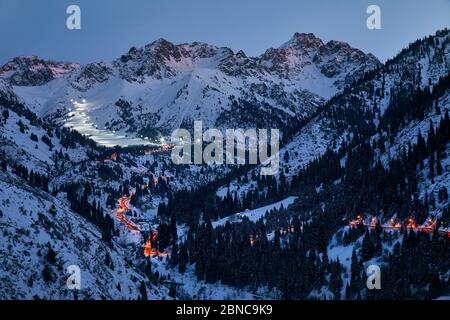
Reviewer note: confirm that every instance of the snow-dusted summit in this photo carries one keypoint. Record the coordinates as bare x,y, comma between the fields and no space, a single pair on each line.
33,71
162,86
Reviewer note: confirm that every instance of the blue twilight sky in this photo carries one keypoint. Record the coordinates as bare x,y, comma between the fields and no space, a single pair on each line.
111,27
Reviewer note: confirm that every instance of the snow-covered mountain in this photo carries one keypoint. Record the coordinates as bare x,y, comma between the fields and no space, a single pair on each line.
356,150
163,86
33,71
322,68
347,115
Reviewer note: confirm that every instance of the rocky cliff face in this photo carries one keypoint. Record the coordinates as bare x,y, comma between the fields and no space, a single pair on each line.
33,71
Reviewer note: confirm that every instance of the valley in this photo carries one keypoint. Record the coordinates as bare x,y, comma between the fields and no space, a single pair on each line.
87,177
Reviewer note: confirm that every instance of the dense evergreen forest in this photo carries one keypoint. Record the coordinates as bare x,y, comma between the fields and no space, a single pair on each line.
295,261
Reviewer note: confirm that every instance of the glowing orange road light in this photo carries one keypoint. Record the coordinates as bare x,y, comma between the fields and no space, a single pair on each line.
358,221
148,250
411,224
124,207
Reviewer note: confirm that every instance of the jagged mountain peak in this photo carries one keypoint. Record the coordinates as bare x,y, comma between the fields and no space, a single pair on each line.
303,40
305,58
164,59
167,85
306,45
34,71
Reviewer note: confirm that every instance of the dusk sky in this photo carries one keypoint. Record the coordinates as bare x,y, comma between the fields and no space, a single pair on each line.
110,28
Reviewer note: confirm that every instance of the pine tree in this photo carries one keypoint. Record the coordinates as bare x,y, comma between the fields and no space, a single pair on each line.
355,278
172,291
4,166
51,255
174,260
435,286
183,259
336,283
367,248
53,210
143,291
148,269
47,274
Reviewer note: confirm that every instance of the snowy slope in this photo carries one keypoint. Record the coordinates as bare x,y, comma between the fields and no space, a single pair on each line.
28,228
255,214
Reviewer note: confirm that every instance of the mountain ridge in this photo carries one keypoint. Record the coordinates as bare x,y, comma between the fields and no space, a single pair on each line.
200,82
